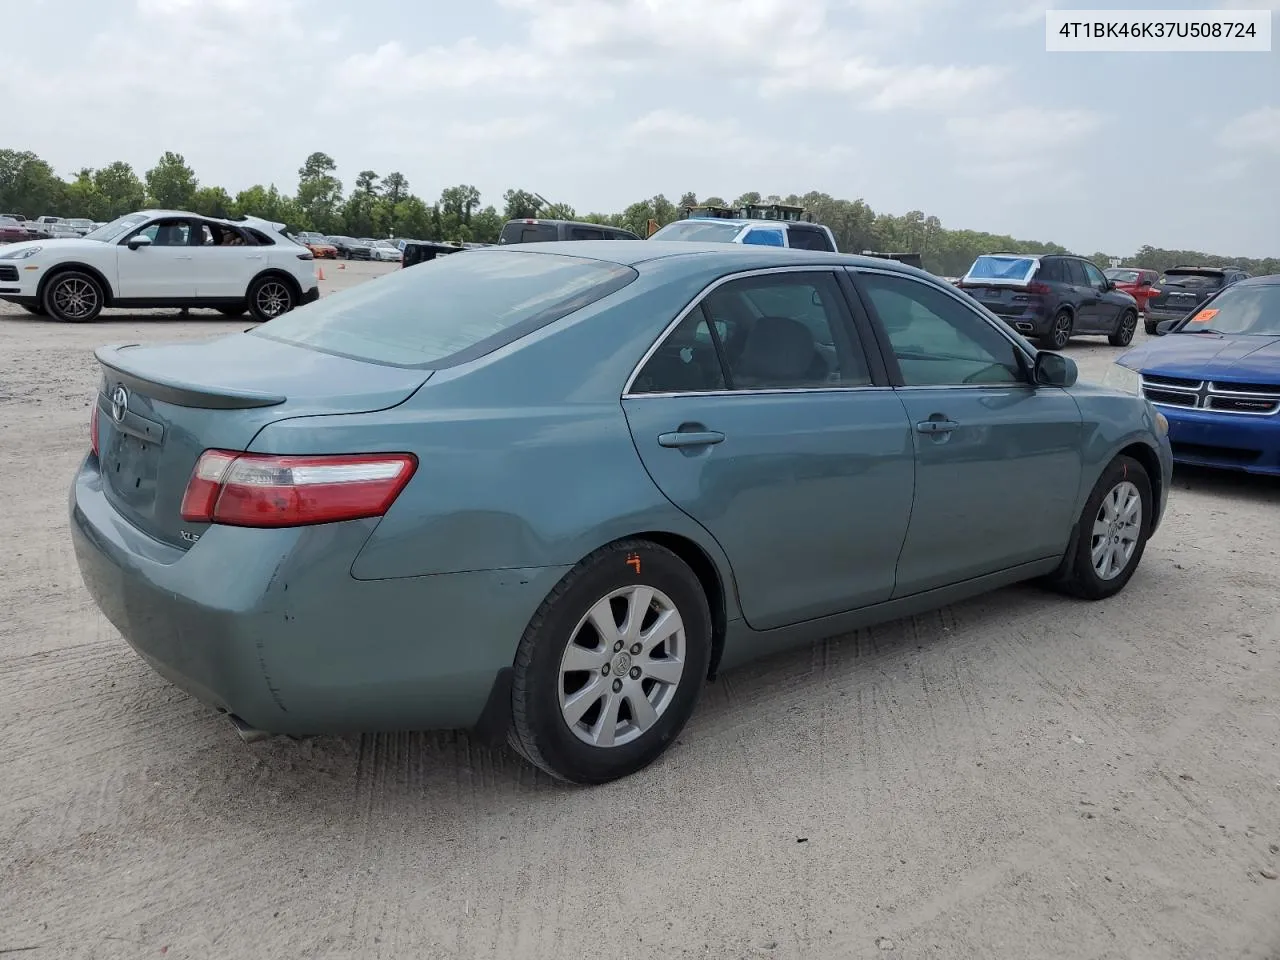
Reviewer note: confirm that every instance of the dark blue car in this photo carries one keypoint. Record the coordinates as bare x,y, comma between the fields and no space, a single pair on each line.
1216,377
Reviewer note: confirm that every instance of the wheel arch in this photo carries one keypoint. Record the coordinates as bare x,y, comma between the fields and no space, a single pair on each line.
1150,461
75,266
276,273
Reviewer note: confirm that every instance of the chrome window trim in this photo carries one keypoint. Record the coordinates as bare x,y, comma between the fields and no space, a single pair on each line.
981,312
829,269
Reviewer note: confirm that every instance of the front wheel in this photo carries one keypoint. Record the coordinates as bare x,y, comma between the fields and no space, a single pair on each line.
1113,533
73,297
611,665
1059,331
270,297
1124,330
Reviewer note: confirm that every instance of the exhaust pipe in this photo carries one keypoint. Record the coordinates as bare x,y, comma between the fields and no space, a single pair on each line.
247,733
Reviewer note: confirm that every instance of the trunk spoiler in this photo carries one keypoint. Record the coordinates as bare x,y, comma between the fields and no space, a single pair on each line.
178,392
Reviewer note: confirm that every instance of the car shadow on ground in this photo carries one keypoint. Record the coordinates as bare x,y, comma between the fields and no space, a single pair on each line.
110,318
1227,484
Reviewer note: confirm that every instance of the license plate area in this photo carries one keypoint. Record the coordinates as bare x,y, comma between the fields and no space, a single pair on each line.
131,466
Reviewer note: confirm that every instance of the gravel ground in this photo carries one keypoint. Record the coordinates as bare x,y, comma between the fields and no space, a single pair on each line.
1019,776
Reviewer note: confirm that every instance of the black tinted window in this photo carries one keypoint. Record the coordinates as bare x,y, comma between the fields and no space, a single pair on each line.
520,232
1075,273
585,233
1051,271
807,238
786,331
936,338
474,302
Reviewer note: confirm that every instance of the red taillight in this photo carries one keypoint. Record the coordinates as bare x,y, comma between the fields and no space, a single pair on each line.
1035,286
93,427
260,490
1153,291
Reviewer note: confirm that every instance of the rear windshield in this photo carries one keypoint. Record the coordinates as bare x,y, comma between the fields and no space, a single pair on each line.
529,233
711,231
1192,278
1011,269
1252,310
1123,276
451,309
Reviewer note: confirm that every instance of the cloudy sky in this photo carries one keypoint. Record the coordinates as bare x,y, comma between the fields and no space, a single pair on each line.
947,106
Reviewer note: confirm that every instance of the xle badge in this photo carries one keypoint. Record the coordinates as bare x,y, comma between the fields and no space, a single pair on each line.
633,561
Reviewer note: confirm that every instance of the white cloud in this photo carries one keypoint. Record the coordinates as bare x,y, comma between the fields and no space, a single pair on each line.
1255,132
1021,141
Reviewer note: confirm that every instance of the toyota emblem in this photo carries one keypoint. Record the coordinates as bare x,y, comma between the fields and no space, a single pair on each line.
119,403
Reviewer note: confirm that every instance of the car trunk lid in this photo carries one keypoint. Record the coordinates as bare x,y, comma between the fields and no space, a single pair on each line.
1183,292
161,406
1003,298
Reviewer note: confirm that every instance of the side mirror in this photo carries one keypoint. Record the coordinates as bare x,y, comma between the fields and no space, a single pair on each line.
1165,327
1146,282
139,241
1111,284
1055,370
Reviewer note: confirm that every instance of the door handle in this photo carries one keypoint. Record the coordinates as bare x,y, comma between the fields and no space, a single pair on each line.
936,426
690,438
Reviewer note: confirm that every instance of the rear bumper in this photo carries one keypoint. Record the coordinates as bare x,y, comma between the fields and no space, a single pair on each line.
270,625
312,295
1227,442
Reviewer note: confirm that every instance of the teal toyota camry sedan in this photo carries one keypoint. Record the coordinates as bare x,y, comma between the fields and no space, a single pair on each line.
546,492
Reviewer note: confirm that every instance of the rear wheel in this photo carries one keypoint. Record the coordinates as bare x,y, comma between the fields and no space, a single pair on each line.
1059,330
270,297
1150,327
1113,534
1124,330
73,297
610,667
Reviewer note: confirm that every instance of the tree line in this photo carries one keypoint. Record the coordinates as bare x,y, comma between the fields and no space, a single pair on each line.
380,206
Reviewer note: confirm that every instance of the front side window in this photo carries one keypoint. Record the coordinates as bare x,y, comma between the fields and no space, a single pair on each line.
938,340
167,233
1095,277
782,331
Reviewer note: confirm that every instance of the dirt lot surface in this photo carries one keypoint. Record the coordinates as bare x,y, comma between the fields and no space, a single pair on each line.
1020,776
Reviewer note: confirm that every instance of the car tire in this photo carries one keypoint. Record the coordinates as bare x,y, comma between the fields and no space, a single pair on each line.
73,296
1059,332
1110,532
1150,327
233,312
270,297
573,714
1124,330
34,310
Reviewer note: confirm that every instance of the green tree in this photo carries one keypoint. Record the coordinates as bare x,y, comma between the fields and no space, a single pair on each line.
367,182
395,187
84,197
688,199
412,218
320,193
171,184
29,186
212,202
458,202
121,190
519,204
751,196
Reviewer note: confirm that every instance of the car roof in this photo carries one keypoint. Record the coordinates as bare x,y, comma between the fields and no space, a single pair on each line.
255,221
1267,279
710,254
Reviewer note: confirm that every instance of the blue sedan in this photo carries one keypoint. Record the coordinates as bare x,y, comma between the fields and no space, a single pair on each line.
1216,376
547,491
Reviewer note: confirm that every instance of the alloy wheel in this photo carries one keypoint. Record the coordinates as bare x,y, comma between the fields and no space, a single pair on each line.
1116,529
621,668
273,298
75,299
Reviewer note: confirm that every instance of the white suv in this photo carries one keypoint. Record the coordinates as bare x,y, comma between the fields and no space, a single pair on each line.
162,258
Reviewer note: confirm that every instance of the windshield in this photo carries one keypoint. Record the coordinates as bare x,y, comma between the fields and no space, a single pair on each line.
117,228
1123,276
449,306
1010,269
711,231
1252,310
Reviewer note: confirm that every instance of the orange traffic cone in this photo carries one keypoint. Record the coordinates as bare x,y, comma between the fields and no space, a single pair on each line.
319,273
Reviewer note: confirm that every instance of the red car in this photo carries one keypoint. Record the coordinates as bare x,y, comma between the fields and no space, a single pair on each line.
1135,281
12,231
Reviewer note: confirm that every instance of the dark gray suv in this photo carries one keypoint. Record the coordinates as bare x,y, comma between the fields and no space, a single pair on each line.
1052,297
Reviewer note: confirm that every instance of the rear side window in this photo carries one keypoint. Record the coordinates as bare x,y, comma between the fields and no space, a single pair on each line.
585,233
1075,273
765,237
807,238
451,309
1051,271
